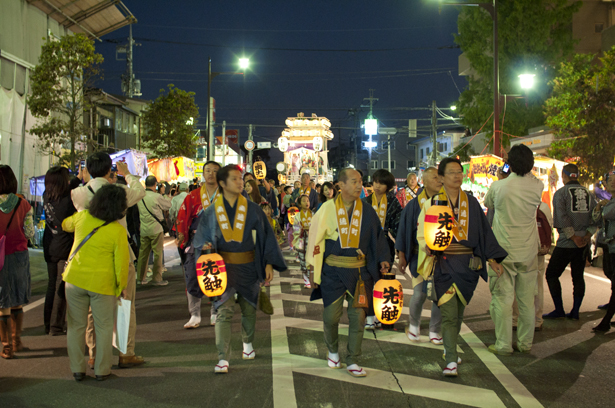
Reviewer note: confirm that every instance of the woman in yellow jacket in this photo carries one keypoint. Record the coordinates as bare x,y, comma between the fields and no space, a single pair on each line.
95,277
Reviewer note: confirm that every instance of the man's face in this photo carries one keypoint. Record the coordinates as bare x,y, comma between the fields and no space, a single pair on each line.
431,181
234,182
412,181
305,180
351,189
453,176
379,189
209,173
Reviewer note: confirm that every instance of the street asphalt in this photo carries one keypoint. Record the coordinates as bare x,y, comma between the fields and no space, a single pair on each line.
569,366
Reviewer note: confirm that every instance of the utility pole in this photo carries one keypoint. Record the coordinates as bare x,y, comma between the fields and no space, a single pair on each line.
389,147
223,143
249,166
131,87
211,153
434,130
371,100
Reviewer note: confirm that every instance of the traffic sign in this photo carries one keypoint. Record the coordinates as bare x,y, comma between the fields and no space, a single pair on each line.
387,131
264,145
249,145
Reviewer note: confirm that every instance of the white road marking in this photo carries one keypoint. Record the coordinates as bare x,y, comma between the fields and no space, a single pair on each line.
600,278
33,305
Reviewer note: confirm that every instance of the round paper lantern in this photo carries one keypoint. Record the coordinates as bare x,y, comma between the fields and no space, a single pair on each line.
291,214
260,170
317,143
211,274
439,223
388,299
283,143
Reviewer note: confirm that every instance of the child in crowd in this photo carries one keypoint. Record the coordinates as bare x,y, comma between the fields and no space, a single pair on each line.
303,219
279,234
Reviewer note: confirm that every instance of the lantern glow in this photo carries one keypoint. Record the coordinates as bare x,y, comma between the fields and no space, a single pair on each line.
438,228
260,170
388,299
211,274
292,211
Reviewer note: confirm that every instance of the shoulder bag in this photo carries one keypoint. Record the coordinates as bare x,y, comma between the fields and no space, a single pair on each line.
62,285
165,227
3,238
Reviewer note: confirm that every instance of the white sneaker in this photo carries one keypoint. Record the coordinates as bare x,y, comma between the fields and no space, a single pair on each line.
413,333
450,370
334,360
221,367
213,319
356,371
193,323
369,322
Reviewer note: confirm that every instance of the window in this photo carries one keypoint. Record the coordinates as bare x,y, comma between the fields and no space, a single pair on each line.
409,146
411,164
385,164
385,147
442,147
427,151
422,154
374,164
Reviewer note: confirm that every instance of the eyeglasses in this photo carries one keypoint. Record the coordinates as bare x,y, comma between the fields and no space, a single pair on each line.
454,173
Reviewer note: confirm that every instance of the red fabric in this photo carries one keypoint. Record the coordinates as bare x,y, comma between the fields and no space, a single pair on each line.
187,212
16,240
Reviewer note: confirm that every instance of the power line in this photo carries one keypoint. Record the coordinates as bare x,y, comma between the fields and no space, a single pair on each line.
290,31
301,73
445,47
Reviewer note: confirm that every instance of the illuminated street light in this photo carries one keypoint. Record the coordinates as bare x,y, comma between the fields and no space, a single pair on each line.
244,63
453,107
527,81
371,126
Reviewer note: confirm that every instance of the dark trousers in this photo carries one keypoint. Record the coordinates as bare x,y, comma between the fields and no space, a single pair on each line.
557,264
610,311
54,315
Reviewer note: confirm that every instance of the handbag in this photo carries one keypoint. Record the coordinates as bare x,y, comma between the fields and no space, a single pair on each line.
62,286
165,227
3,238
360,295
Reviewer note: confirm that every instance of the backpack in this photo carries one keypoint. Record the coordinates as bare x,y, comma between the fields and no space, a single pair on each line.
544,232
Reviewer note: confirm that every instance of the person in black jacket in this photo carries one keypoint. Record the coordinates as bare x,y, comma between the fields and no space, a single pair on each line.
56,245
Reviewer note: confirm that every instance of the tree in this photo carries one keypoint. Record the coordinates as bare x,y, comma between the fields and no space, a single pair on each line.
582,113
66,70
169,130
533,36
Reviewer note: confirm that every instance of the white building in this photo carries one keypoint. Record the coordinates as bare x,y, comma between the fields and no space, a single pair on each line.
24,28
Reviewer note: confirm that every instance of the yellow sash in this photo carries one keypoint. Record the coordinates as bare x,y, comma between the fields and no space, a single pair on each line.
305,191
349,234
460,229
410,193
236,232
306,219
422,198
206,201
381,208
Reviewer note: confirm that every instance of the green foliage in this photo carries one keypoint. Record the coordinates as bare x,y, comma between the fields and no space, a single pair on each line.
582,112
66,69
166,131
534,36
464,151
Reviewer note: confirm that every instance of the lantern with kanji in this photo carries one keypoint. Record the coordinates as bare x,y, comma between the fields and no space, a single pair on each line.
388,299
317,143
439,224
260,170
291,214
211,274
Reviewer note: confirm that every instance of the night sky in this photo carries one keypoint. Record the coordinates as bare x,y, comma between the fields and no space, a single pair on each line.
411,61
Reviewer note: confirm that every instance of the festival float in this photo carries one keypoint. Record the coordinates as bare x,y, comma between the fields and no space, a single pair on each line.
304,144
172,169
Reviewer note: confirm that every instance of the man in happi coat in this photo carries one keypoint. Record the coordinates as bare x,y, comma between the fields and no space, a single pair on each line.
573,205
186,223
409,249
346,241
238,230
457,269
305,189
388,208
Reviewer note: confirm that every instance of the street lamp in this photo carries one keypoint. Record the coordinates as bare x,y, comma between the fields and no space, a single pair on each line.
492,9
243,64
526,81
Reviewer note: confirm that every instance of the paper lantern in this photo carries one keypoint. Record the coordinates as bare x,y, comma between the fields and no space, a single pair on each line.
388,299
211,274
260,170
317,143
439,224
283,144
291,214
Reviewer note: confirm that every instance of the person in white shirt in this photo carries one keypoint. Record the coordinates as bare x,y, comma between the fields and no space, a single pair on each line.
515,200
96,174
177,201
152,234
